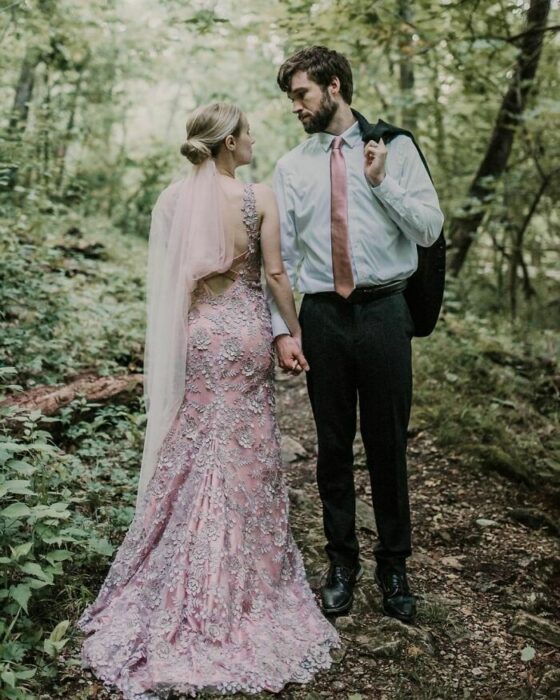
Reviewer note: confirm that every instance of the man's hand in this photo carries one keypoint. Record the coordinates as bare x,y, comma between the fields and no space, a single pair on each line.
374,166
290,355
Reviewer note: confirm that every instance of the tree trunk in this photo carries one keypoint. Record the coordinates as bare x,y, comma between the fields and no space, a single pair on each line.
439,123
63,148
46,130
463,228
24,94
20,110
406,67
517,260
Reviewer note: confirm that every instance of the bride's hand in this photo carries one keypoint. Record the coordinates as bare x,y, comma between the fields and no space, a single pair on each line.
290,355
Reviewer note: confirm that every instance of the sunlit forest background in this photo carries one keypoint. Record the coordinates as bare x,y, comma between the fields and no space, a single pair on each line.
94,98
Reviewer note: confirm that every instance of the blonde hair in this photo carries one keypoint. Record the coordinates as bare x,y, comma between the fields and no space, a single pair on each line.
207,127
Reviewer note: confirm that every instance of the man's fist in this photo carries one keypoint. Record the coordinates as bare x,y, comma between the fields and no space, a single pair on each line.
375,155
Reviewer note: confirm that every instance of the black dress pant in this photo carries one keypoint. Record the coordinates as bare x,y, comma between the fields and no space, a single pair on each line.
361,352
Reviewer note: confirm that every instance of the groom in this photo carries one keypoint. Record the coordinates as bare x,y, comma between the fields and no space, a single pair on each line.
351,217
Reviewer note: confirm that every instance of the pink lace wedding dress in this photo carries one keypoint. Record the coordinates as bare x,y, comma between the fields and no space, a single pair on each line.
208,591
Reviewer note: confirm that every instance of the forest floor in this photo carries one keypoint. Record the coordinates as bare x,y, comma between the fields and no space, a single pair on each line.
488,586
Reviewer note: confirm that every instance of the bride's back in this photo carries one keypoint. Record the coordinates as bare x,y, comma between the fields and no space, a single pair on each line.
231,204
232,215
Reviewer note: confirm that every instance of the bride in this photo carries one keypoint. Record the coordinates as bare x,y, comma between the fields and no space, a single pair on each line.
207,592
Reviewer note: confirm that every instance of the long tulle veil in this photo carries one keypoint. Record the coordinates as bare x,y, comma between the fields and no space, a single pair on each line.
187,242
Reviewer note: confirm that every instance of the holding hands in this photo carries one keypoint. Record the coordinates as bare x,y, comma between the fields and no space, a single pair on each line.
290,355
375,155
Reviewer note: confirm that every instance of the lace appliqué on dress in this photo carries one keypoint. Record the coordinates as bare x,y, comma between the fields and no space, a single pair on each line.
208,590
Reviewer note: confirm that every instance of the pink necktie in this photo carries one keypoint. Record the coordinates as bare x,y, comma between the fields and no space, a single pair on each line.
340,244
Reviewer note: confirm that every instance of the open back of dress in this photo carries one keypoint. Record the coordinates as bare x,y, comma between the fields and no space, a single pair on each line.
233,207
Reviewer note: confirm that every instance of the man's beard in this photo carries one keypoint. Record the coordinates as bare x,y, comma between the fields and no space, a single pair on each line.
323,116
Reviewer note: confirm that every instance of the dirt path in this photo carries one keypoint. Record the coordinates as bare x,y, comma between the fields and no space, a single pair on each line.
475,580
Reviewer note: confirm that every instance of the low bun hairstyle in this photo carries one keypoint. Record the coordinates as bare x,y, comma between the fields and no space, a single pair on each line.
207,127
195,150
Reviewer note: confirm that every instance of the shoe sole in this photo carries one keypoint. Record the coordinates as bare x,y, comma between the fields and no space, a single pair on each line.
344,608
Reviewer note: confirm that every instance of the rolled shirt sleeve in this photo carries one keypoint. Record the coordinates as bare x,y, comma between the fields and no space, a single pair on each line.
289,244
411,200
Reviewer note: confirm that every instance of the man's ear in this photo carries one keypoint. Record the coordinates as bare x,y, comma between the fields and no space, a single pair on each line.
335,86
230,142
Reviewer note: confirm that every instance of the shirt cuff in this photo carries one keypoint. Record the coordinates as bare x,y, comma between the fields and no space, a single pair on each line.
278,326
388,190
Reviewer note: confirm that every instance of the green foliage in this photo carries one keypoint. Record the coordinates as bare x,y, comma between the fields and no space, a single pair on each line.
58,513
47,283
490,393
37,535
62,312
82,160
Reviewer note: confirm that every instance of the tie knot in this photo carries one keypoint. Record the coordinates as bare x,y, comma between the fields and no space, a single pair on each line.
337,142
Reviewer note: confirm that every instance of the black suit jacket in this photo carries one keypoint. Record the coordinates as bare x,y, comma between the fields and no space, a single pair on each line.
424,293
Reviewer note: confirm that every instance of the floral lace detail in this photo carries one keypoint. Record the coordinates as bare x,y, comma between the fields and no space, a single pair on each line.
208,590
249,210
252,269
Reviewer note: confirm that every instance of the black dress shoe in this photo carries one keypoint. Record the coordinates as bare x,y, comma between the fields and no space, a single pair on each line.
337,593
398,601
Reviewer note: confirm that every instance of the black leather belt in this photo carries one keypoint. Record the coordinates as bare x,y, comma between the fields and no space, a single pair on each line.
361,294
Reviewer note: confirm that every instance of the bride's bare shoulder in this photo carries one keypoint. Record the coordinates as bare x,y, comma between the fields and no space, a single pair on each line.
264,196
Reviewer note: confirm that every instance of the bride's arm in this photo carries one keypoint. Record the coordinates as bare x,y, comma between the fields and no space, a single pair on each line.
276,277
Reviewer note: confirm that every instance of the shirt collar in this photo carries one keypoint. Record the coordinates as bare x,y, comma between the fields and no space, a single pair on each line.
350,137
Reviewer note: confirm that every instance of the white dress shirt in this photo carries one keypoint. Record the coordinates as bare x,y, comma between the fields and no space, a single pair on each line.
385,222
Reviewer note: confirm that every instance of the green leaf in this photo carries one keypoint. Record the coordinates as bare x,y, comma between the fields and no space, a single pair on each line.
19,486
42,447
21,594
20,467
59,506
36,584
54,510
54,648
528,653
9,678
26,674
49,537
7,371
58,555
35,569
101,546
49,647
15,510
59,631
13,447
21,549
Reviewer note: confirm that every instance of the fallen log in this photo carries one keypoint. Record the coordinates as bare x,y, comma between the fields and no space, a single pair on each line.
50,399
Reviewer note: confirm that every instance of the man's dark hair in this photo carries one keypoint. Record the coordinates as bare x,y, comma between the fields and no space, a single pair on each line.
322,65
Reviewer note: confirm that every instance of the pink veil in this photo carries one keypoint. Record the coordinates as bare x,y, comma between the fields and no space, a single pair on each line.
187,242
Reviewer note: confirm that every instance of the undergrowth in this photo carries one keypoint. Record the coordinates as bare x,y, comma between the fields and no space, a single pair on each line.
72,299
